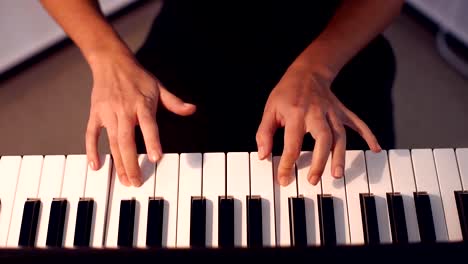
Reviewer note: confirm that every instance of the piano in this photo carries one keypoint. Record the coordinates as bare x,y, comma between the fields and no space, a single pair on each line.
398,204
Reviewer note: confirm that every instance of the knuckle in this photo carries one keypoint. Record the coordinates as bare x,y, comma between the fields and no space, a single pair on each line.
121,173
290,155
297,113
125,135
90,134
324,134
315,114
260,136
147,102
285,169
339,131
317,171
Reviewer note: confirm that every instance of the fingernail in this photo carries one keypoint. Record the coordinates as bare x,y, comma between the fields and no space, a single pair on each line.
92,165
261,152
313,180
338,173
283,181
135,182
125,181
155,157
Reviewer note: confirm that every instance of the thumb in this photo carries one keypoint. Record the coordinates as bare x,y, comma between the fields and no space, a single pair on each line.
175,104
265,133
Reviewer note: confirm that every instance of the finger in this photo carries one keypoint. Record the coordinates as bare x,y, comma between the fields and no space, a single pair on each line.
150,132
339,145
117,158
293,137
174,104
265,133
323,140
127,146
354,122
92,136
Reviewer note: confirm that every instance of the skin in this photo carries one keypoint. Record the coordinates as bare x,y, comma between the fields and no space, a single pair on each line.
124,94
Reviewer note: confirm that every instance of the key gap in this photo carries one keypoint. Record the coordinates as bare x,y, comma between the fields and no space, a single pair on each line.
225,175
347,210
107,202
295,176
155,177
412,170
367,174
440,192
201,168
177,206
14,197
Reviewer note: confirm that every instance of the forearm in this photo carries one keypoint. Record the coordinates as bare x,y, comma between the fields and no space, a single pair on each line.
353,26
85,24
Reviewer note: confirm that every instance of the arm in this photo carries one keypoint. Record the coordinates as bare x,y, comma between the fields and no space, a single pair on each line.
354,25
123,94
86,25
303,102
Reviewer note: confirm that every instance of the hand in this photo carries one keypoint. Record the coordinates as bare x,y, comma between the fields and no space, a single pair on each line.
302,102
123,96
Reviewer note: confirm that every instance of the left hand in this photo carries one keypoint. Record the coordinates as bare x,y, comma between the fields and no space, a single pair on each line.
303,102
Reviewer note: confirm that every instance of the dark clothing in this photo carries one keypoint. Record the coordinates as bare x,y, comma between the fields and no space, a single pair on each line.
226,57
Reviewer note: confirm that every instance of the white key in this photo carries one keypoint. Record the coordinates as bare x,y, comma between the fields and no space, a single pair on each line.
282,193
426,180
27,187
9,171
49,188
462,159
190,184
142,195
378,175
336,188
97,188
214,185
310,193
403,181
116,194
356,183
74,181
449,181
167,182
261,183
238,186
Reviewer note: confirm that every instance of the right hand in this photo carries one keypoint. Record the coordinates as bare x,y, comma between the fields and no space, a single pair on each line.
125,95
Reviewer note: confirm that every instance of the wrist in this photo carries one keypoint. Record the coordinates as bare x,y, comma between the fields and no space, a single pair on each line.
109,58
320,71
320,58
104,54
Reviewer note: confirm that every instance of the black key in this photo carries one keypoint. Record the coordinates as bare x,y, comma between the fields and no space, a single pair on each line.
198,222
126,223
154,229
226,221
254,221
461,198
297,222
369,218
56,223
28,231
326,219
396,212
425,218
84,219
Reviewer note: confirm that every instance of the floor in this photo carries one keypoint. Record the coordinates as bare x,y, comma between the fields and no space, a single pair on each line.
44,109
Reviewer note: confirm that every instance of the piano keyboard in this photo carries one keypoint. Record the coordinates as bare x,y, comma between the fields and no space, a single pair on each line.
218,200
